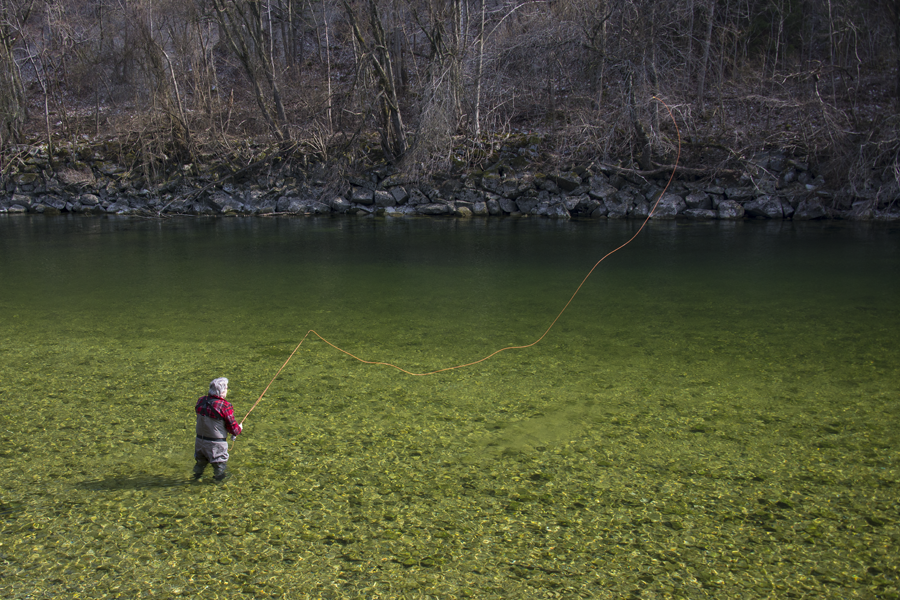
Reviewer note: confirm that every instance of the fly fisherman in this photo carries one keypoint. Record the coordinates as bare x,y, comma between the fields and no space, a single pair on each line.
215,419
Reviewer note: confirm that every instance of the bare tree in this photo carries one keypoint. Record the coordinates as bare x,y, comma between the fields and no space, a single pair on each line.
13,104
248,27
377,51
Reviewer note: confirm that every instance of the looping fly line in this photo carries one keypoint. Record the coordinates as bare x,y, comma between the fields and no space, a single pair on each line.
496,352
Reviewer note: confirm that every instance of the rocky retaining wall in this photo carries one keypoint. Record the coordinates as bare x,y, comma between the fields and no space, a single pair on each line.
773,187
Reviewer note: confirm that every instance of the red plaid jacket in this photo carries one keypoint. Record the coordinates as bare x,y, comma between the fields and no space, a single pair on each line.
218,408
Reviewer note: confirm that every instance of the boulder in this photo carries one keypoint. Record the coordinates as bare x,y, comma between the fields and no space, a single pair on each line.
384,198
290,204
585,205
21,200
698,200
527,205
400,194
399,211
360,195
809,210
730,210
435,208
862,210
339,205
558,211
508,206
416,196
87,200
315,207
740,193
567,181
765,206
470,195
669,207
699,214
75,176
640,210
620,204
120,207
224,202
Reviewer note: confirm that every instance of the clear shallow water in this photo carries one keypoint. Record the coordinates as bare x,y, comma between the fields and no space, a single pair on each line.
715,415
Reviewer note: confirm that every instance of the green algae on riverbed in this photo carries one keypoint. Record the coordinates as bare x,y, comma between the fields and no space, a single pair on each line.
686,430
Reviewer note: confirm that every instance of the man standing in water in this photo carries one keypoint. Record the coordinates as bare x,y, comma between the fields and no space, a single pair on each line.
215,419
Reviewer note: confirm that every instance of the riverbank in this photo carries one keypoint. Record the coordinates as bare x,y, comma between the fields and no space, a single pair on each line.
771,186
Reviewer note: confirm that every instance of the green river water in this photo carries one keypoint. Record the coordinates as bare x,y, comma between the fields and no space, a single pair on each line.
714,416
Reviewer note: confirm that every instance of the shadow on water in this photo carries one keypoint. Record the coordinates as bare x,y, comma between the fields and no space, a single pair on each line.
133,482
11,508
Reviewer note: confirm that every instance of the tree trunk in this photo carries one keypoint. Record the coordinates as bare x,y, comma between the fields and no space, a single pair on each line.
393,132
707,42
13,106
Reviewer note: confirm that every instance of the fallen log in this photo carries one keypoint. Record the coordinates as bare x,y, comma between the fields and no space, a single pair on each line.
667,170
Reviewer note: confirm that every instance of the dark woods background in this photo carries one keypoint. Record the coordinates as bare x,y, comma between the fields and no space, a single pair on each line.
430,86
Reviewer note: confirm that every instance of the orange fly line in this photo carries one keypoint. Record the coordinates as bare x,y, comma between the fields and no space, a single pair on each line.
496,352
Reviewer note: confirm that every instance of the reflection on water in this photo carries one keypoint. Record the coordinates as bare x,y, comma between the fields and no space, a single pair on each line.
715,415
